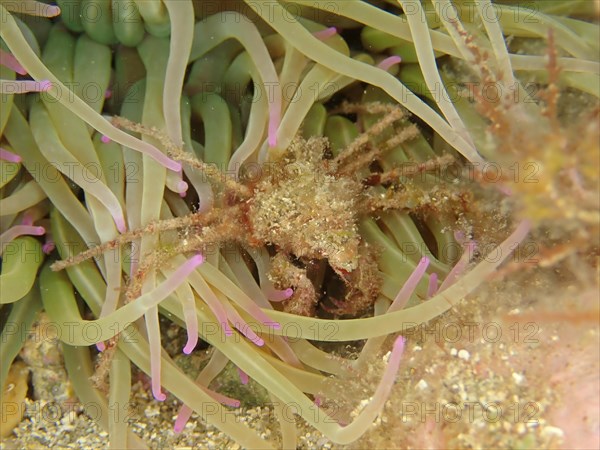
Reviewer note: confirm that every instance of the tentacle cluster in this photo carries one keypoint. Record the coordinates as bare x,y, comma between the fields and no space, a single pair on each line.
251,173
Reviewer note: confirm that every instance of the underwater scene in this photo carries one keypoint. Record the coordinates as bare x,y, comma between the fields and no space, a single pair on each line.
289,224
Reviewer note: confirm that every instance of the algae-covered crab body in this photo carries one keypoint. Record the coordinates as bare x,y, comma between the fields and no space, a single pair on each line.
308,212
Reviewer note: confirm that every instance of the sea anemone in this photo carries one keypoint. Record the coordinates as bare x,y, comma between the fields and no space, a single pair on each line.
266,176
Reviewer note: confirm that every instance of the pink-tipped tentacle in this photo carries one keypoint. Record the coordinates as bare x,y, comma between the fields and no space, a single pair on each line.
151,317
182,188
19,230
325,34
24,86
274,121
33,8
9,156
460,266
27,219
243,376
185,412
8,60
389,62
433,284
191,321
277,295
410,285
49,245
